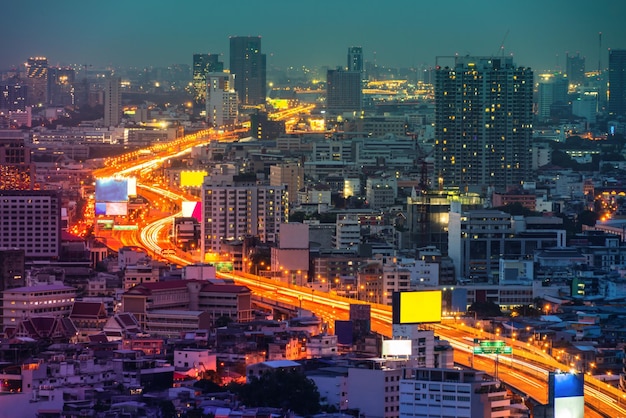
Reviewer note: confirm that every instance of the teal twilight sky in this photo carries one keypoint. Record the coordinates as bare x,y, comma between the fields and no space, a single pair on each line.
403,33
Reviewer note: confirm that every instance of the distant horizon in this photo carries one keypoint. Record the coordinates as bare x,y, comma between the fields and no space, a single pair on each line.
402,34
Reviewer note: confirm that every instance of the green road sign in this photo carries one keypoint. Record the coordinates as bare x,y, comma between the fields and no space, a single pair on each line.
493,350
492,347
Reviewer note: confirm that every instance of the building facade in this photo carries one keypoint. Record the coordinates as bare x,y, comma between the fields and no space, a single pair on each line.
483,123
236,206
203,64
112,102
343,91
248,65
31,220
617,82
221,99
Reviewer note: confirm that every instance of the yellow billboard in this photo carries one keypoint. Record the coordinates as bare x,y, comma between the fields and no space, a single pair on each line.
192,178
416,307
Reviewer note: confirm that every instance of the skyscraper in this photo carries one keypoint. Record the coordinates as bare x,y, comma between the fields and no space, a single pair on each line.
248,65
617,82
60,86
551,94
112,102
203,64
37,80
343,91
483,123
575,69
221,99
355,58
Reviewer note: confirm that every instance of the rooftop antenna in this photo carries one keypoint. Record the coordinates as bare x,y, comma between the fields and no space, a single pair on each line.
599,52
501,50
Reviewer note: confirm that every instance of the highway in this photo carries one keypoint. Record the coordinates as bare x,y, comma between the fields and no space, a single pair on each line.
528,373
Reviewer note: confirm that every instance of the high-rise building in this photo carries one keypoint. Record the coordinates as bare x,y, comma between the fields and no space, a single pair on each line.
343,91
575,68
203,64
221,99
483,123
617,82
112,102
551,95
37,80
13,95
235,206
355,59
248,65
61,86
31,220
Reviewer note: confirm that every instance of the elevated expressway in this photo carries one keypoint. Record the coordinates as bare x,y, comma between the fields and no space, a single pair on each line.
526,370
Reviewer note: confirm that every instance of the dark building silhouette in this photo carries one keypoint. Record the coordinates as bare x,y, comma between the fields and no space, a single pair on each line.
617,82
202,65
12,268
61,86
248,65
355,59
13,95
343,91
37,80
263,128
483,124
575,69
17,172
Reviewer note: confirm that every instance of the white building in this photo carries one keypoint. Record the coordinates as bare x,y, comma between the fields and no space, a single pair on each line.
381,192
236,206
54,300
144,271
112,102
430,392
199,272
290,260
202,360
348,232
374,389
221,99
422,344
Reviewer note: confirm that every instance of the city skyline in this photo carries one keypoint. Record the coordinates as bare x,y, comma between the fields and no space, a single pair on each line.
407,34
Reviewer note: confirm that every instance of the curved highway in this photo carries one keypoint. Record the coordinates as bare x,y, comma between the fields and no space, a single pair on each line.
524,374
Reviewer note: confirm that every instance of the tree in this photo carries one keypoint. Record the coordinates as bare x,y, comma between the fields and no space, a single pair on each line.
223,321
527,311
290,390
485,309
587,217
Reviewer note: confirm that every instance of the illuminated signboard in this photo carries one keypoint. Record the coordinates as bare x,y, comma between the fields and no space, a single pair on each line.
192,178
393,348
567,394
112,190
132,186
224,266
192,210
101,208
116,208
416,307
125,227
